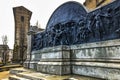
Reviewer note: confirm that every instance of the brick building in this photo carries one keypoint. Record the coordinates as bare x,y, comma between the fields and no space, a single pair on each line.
93,4
4,53
22,18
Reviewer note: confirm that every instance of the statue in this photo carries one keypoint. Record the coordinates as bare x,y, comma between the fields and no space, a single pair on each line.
107,17
51,37
117,17
57,37
99,28
68,33
64,35
100,24
34,44
79,34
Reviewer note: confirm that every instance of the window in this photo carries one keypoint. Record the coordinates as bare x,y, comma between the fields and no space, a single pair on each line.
22,18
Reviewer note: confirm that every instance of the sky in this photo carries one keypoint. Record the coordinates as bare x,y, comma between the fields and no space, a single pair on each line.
41,12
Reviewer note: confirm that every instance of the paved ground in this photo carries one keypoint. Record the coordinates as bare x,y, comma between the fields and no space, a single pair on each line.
10,66
4,74
37,75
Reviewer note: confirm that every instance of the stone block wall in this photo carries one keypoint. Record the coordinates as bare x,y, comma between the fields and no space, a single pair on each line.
22,18
55,60
98,59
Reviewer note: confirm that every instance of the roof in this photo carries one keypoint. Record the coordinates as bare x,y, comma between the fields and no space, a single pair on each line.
35,29
23,8
4,46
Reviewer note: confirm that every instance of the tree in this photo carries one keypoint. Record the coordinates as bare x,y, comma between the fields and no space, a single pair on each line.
4,40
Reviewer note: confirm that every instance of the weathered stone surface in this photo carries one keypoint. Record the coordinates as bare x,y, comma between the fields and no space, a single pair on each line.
80,59
55,60
98,59
97,64
54,69
29,43
99,50
99,56
108,43
22,18
17,70
32,75
51,60
52,49
33,65
100,72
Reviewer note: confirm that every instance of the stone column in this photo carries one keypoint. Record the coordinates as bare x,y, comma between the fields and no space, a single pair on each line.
29,48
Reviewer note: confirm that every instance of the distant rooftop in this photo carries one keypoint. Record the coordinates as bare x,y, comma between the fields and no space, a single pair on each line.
3,46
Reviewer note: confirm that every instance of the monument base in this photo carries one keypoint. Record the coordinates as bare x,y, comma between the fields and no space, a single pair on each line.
30,64
26,64
24,74
98,59
54,60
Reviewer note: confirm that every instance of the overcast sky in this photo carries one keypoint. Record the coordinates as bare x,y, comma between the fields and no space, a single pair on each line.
42,10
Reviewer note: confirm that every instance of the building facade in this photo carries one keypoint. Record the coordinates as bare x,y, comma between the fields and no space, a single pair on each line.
22,18
4,53
93,4
10,55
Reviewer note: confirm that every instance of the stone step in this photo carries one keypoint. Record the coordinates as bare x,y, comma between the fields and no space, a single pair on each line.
8,67
17,70
14,77
19,73
31,76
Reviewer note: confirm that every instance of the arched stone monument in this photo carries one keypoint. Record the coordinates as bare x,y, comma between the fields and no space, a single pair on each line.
70,11
77,42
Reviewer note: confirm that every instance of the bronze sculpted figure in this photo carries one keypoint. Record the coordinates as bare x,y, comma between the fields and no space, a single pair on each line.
71,24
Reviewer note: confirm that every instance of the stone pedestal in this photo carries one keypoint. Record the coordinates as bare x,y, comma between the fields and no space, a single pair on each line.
54,60
35,58
98,59
29,46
